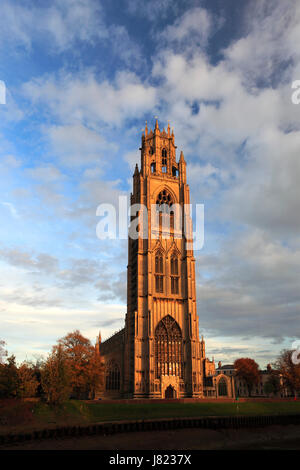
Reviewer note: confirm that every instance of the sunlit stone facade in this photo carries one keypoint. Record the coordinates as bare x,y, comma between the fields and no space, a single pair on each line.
159,353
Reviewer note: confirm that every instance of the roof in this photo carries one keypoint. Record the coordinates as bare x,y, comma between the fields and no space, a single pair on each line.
228,366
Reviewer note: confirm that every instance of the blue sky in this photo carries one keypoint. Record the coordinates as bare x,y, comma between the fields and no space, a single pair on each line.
82,77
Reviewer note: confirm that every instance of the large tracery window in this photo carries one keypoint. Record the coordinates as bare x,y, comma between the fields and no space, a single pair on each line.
164,198
112,378
168,348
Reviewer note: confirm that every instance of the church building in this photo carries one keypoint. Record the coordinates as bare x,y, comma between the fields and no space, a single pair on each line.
159,354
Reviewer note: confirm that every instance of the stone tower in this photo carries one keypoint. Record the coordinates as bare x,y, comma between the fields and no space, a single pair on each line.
163,356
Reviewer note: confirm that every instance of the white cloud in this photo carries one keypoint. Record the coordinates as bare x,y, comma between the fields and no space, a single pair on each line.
250,134
13,211
60,24
77,145
264,54
267,193
45,174
72,99
250,287
132,158
10,161
41,300
93,173
194,28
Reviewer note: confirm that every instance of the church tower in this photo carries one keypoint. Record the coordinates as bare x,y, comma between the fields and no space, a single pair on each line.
163,356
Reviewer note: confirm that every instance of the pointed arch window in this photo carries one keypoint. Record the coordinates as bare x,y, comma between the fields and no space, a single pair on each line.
164,198
159,267
174,274
172,221
112,377
164,160
159,273
164,202
174,265
168,348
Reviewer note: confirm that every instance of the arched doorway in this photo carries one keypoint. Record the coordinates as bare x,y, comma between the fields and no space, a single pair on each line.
222,388
170,392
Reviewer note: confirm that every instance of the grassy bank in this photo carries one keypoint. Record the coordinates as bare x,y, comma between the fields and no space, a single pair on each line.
18,416
119,411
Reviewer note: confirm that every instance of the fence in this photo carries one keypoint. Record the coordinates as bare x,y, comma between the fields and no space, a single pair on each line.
211,422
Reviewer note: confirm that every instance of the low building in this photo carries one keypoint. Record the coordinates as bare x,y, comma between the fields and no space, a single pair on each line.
258,390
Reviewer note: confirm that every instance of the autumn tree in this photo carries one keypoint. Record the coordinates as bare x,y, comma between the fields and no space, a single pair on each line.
28,382
37,368
55,377
86,370
288,367
247,369
9,379
272,385
95,374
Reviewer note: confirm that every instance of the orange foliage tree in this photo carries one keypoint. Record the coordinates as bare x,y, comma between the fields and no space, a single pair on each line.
55,377
288,368
247,369
28,383
9,380
84,363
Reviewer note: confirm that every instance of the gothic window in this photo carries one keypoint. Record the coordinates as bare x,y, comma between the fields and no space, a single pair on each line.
166,217
159,284
152,167
174,275
172,221
174,265
194,381
159,271
174,171
164,160
112,378
174,285
164,198
168,348
159,267
222,387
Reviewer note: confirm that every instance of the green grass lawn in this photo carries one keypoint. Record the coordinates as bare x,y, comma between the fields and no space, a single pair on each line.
118,411
75,412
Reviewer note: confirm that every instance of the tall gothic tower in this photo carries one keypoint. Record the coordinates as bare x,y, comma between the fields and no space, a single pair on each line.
163,356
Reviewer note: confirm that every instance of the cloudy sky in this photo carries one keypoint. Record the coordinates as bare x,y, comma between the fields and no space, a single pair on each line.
81,77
